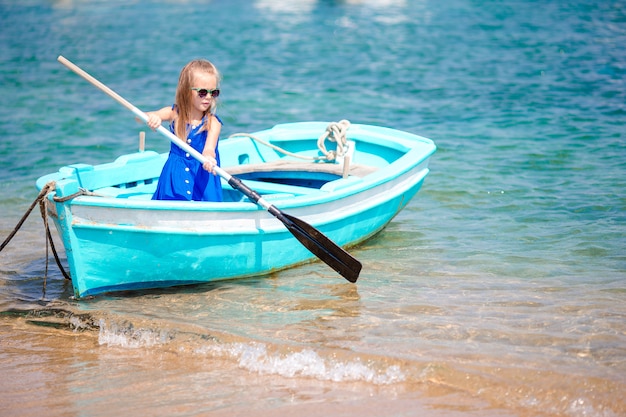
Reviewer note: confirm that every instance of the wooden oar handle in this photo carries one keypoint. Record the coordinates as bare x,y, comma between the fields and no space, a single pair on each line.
140,114
103,88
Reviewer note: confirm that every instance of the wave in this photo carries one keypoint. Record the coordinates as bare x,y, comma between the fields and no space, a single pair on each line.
517,387
256,356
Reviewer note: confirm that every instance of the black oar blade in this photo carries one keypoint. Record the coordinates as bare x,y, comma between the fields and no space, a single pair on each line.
324,248
312,239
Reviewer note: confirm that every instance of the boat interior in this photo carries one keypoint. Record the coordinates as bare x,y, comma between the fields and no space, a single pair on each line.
279,179
268,172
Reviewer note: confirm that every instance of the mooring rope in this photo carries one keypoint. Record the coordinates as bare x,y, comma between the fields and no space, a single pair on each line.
335,132
45,190
42,201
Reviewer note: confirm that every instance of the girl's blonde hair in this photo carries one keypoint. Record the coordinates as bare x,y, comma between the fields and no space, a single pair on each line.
184,95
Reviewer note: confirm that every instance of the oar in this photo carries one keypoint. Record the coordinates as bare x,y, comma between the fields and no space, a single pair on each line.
314,240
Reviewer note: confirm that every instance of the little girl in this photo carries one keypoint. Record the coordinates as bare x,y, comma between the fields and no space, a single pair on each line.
193,120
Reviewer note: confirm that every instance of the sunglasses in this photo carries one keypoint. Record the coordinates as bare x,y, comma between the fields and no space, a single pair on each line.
202,92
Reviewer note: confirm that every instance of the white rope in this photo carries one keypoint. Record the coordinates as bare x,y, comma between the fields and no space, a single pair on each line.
335,132
276,148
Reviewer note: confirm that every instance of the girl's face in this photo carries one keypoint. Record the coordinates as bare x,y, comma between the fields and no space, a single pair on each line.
203,81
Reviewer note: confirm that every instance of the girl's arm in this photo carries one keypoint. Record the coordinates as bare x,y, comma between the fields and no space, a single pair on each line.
215,127
155,118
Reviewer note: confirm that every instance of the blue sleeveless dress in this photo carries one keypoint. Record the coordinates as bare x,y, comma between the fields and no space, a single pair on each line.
183,177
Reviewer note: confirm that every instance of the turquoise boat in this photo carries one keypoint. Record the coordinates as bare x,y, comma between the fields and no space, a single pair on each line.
116,238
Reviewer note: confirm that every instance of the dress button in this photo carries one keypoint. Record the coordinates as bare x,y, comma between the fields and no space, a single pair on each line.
187,155
187,169
186,181
188,192
188,140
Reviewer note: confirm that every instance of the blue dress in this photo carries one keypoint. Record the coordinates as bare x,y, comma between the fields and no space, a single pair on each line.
183,177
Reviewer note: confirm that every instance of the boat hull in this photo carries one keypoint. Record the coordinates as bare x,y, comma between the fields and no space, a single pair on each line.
115,244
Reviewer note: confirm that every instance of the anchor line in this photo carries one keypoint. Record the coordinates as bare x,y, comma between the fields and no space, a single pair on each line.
42,201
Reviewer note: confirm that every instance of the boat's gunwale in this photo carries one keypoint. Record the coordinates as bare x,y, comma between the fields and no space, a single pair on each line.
415,153
371,181
402,141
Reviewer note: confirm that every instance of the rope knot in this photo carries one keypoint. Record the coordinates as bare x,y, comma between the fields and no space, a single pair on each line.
335,132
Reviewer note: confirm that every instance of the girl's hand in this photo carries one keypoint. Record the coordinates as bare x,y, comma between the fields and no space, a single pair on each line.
154,121
210,164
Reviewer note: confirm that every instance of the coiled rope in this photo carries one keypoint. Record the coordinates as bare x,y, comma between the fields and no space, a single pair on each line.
335,132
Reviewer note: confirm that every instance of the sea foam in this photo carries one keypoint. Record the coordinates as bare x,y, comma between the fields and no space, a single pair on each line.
256,357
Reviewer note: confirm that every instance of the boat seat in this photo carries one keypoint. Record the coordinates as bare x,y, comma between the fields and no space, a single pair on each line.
357,170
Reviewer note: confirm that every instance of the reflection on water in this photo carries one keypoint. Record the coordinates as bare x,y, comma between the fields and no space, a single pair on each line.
302,7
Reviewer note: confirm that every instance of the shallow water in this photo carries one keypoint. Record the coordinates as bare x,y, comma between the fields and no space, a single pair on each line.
498,291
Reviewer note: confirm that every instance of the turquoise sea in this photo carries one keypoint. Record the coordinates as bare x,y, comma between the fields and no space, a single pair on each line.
499,291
